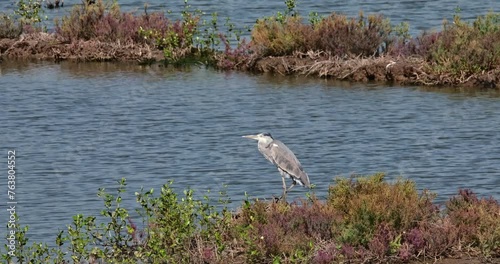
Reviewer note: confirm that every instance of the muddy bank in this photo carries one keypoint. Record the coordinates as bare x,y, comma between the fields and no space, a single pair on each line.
406,71
395,70
43,46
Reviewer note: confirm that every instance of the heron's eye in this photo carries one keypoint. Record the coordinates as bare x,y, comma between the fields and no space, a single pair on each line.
267,134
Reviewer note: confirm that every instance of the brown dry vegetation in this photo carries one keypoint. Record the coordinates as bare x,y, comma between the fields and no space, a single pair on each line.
399,70
43,46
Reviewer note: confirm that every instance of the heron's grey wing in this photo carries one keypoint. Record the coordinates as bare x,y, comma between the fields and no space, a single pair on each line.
265,149
284,158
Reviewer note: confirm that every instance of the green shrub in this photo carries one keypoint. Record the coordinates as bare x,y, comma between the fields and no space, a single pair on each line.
277,37
29,12
464,49
9,28
367,202
335,34
171,225
351,37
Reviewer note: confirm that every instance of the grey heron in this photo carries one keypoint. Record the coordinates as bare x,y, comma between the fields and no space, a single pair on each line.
280,155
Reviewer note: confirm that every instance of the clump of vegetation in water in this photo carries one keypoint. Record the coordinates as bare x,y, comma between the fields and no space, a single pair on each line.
106,23
461,50
190,38
364,219
366,48
362,48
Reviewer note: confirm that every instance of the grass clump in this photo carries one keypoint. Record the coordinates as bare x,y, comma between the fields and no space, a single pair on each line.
351,37
279,37
368,204
476,220
289,232
462,53
463,49
105,22
9,27
336,35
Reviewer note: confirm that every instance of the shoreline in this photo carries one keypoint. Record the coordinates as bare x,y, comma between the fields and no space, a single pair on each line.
365,48
383,69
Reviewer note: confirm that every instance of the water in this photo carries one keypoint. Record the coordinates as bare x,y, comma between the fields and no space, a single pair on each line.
79,127
421,14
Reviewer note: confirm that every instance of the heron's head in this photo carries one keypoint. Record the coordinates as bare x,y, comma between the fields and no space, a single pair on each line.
266,137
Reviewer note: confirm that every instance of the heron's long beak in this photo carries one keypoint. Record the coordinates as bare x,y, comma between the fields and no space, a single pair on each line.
251,137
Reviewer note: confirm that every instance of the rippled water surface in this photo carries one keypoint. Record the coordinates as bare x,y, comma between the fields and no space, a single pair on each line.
421,14
78,127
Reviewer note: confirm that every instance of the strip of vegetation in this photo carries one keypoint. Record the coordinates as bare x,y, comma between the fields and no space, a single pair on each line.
362,48
364,219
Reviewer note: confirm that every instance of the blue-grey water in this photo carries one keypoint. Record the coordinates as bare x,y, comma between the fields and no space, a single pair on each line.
78,127
420,14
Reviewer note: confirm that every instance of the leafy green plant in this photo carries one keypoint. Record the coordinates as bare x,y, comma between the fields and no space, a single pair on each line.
171,223
402,31
209,33
80,237
290,11
28,14
91,240
177,40
314,18
17,234
278,37
29,11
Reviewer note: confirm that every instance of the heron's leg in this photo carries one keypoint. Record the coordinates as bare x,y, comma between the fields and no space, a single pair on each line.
284,187
291,186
